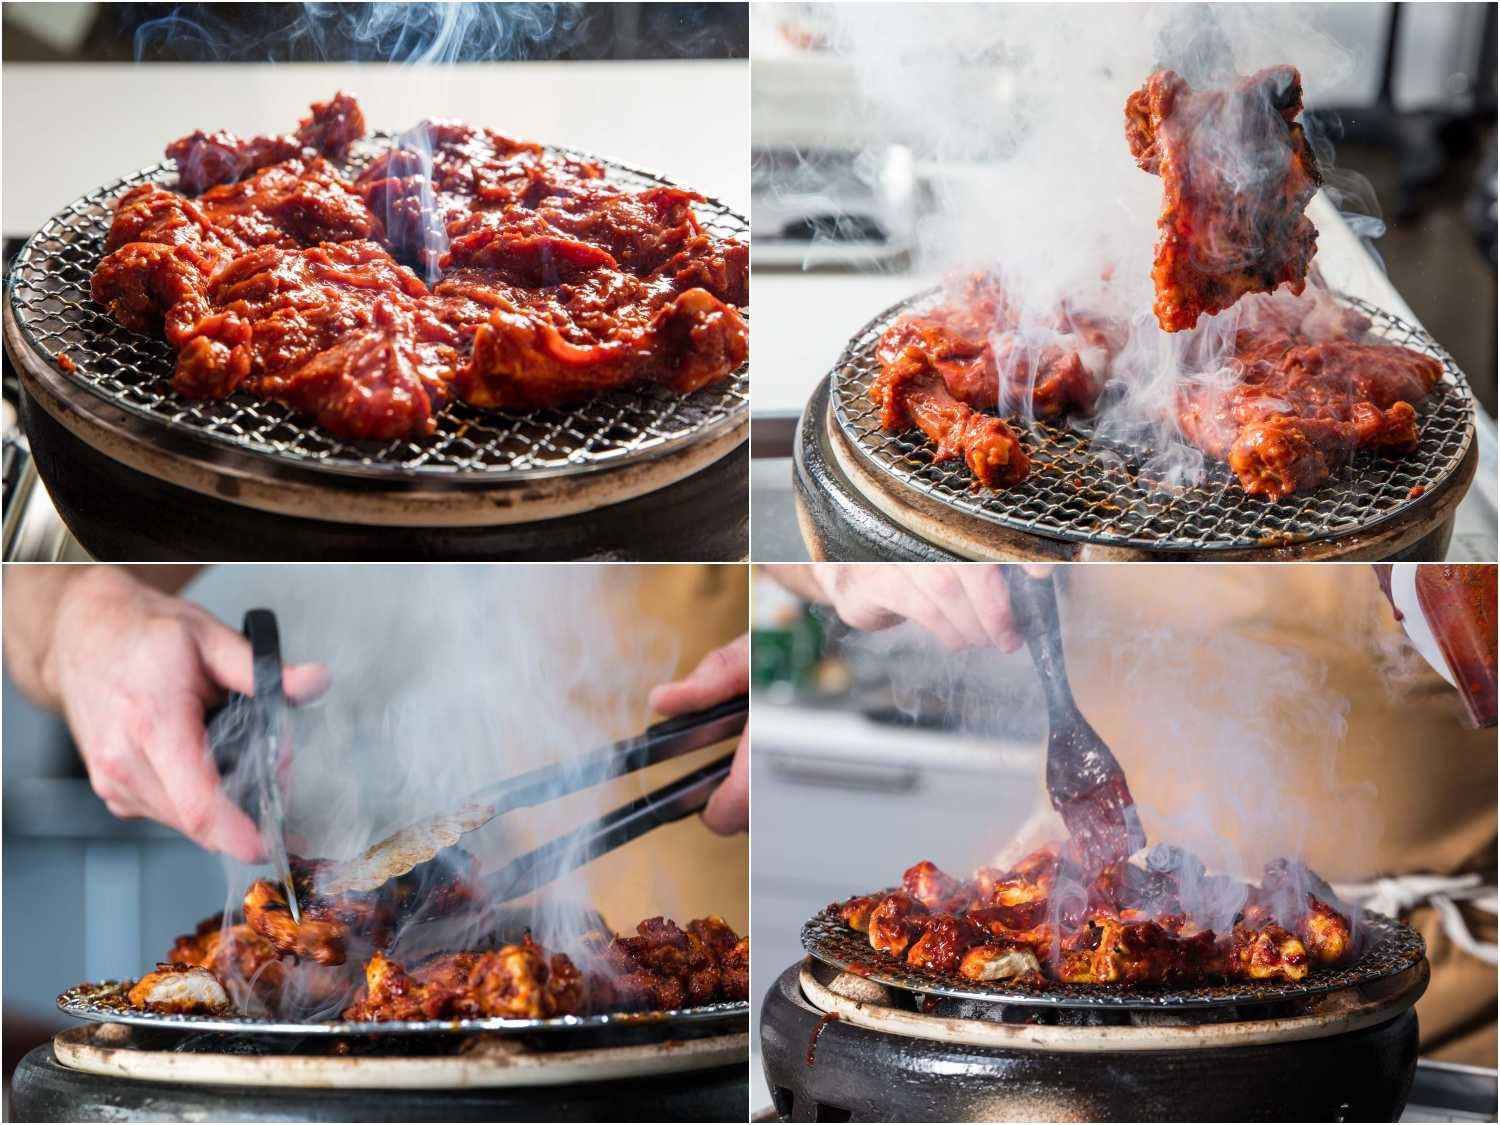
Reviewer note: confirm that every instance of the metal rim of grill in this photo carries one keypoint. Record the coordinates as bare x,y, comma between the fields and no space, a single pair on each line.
1388,948
106,1002
48,295
1083,488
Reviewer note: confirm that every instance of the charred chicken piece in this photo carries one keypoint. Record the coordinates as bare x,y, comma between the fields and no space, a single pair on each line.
665,967
519,981
942,941
1271,953
1237,173
183,990
269,915
856,912
205,159
892,927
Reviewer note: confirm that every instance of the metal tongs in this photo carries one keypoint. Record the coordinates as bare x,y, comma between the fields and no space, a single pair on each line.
267,741
1084,781
421,841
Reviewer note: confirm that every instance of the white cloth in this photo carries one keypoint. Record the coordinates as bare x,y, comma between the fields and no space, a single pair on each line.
1397,895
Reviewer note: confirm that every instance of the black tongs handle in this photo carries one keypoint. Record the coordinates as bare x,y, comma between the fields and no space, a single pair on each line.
265,663
667,739
675,801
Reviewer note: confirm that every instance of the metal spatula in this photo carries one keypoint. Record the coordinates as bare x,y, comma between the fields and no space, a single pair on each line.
1084,781
421,841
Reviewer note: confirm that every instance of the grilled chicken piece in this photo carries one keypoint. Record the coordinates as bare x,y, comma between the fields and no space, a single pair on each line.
942,941
665,967
182,990
856,912
517,981
891,924
1311,392
1267,954
928,885
998,961
1237,173
268,914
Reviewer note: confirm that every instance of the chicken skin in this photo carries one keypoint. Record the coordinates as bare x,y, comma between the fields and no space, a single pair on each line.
1237,173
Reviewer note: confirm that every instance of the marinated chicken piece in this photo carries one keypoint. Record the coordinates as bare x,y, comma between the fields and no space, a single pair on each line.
269,915
163,249
519,981
205,159
339,331
555,345
181,990
856,912
1303,405
665,967
942,941
911,394
1237,173
928,885
891,925
991,961
1267,954
556,284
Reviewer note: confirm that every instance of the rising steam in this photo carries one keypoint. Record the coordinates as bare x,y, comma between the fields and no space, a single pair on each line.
445,680
1018,109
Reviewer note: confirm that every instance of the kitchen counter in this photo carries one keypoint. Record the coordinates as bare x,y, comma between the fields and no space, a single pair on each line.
70,127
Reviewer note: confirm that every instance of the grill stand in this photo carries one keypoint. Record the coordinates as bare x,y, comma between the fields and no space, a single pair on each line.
860,1074
847,512
118,512
86,1075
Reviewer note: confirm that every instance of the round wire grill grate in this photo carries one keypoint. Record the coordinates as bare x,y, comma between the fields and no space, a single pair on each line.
106,1002
1387,948
48,291
1094,491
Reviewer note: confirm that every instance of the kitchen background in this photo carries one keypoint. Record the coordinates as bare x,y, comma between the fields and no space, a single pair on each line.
839,197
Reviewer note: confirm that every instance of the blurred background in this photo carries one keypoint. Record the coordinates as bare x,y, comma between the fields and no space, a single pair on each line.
841,195
95,91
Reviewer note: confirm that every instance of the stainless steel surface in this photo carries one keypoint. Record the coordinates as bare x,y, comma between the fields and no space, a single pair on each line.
1389,948
106,1002
48,295
1086,490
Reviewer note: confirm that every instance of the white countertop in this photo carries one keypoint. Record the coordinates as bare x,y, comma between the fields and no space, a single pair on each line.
69,128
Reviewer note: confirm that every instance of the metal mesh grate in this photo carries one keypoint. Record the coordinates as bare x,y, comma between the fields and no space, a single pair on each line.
1094,491
49,296
1387,948
106,1002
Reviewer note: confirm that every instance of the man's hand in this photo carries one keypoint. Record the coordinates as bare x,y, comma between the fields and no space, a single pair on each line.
964,605
134,670
722,674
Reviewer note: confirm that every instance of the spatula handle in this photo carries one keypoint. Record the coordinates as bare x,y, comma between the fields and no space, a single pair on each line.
1033,605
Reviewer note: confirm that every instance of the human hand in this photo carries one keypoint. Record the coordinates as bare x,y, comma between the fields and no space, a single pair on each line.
722,674
964,605
134,671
